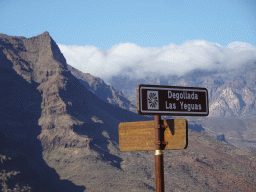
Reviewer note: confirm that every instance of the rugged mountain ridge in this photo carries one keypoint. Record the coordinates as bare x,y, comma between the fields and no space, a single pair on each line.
20,112
68,137
39,100
103,91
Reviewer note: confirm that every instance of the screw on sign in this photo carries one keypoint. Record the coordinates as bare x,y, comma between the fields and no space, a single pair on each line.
160,134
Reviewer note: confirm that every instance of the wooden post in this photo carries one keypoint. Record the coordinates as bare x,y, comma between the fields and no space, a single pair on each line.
159,164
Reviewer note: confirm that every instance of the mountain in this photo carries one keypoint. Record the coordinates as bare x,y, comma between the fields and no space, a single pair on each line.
42,100
231,93
20,110
103,91
231,98
62,137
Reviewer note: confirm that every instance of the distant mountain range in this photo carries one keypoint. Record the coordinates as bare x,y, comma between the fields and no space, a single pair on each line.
232,93
232,96
60,127
103,91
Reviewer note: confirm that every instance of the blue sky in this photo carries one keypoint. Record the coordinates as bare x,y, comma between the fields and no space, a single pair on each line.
122,35
145,23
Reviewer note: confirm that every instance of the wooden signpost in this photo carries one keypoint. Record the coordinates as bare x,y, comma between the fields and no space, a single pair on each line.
140,136
160,134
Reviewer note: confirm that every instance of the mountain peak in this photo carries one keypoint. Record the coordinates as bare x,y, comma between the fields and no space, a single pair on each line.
42,56
70,137
46,33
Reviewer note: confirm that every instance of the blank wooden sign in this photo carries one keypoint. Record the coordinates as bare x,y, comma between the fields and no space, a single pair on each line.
140,135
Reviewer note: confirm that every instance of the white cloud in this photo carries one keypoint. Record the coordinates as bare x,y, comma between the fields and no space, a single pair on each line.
138,62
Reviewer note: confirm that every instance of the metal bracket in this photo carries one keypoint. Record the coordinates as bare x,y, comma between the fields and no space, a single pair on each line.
161,126
161,142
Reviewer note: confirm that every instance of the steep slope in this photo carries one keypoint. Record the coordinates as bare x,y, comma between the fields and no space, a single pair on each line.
103,91
235,131
43,100
70,136
206,165
20,110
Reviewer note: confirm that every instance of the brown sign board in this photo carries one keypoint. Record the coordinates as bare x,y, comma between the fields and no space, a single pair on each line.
172,100
140,136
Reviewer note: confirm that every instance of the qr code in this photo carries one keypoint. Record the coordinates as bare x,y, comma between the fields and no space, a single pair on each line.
152,98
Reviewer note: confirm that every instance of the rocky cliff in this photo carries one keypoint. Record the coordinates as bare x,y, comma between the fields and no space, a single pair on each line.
22,78
62,137
103,91
42,99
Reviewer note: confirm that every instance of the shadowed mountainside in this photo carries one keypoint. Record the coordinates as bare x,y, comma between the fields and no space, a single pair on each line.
43,100
20,110
62,137
103,91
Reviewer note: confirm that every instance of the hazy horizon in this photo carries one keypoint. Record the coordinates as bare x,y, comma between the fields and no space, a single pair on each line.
136,39
135,62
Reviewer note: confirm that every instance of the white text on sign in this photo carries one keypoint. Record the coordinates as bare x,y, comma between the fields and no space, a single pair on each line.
183,95
183,106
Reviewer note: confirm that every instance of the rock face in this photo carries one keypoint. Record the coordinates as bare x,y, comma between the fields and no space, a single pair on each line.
62,137
103,91
21,74
236,99
42,100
